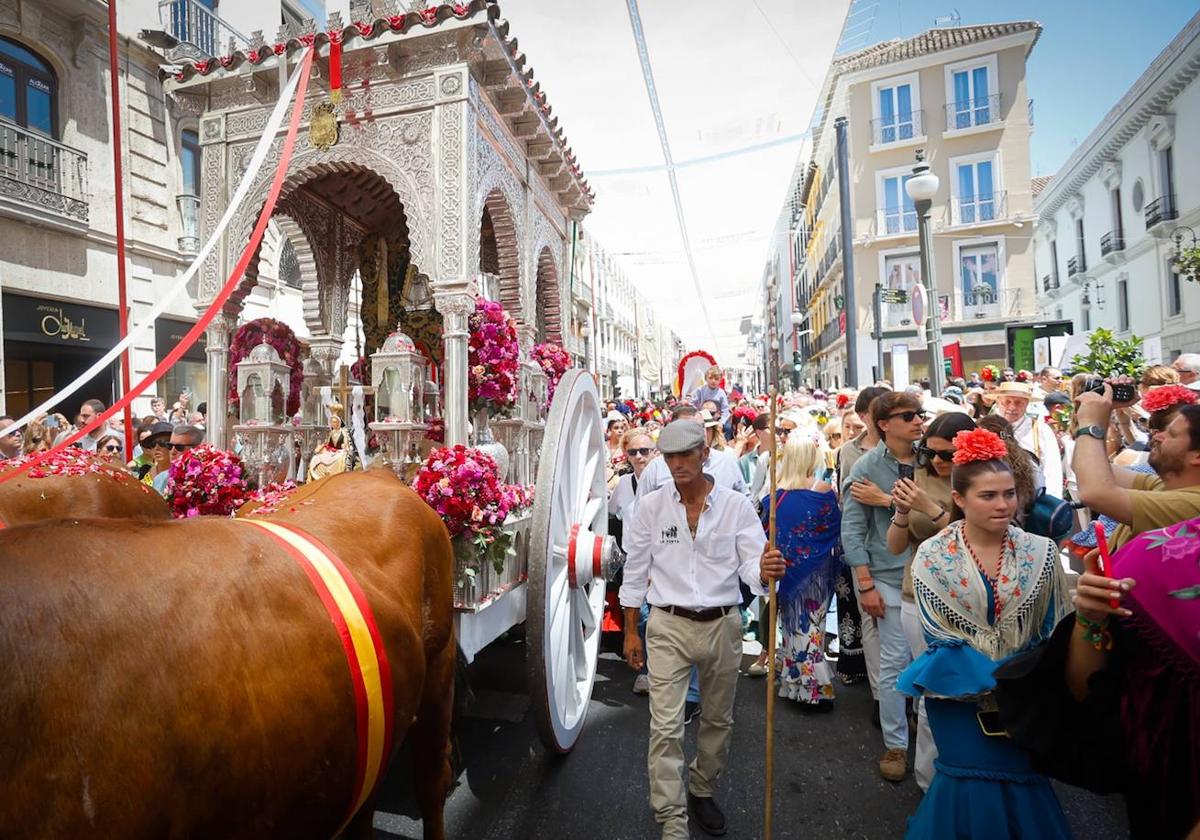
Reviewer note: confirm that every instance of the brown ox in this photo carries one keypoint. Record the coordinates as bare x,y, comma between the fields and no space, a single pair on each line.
183,679
104,491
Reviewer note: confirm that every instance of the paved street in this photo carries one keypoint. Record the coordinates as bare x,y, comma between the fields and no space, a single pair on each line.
826,781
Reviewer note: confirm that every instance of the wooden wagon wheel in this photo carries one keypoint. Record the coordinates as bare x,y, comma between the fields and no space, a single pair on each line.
570,559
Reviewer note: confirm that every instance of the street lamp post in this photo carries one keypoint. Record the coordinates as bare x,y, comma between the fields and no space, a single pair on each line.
921,188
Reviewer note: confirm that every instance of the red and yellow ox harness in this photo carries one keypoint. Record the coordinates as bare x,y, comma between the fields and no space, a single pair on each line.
370,673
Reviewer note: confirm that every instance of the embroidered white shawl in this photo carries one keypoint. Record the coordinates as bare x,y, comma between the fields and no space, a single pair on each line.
953,599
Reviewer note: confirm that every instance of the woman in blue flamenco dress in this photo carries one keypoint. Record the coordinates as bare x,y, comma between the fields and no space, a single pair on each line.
809,535
986,591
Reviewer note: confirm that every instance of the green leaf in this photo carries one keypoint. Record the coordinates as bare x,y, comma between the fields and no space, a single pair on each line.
1189,594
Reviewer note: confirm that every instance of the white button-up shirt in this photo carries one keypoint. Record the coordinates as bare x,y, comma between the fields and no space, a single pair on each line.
667,567
721,465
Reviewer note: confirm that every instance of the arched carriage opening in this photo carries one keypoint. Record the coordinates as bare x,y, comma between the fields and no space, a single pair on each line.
547,311
498,252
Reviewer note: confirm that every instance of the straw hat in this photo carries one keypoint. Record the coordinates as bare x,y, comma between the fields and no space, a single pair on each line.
1009,389
710,421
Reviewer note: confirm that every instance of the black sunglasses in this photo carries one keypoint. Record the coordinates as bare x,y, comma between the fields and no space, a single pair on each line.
907,416
783,432
926,455
642,451
180,447
112,449
156,444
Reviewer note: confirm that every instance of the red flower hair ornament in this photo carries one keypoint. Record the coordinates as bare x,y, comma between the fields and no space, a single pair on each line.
1167,396
978,445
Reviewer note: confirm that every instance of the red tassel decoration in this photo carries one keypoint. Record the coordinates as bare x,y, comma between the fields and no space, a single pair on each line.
335,67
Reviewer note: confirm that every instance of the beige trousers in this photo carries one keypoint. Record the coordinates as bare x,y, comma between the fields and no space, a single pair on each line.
673,646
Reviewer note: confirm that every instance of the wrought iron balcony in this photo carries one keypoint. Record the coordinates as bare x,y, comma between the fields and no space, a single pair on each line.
1076,265
189,216
1111,243
1161,209
1050,283
979,209
972,113
898,128
198,29
983,302
895,220
41,178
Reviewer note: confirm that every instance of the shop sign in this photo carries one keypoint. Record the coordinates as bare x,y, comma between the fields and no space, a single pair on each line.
168,332
55,322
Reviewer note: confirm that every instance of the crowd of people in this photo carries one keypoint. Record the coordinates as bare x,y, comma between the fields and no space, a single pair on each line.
1013,566
159,438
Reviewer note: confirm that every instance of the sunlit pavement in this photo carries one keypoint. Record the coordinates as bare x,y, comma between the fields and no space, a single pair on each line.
827,784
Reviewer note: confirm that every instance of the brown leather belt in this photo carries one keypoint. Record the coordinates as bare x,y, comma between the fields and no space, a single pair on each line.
708,614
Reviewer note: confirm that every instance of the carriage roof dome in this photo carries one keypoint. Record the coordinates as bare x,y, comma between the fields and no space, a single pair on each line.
264,353
398,342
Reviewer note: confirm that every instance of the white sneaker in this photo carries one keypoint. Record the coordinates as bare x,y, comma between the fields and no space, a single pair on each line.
641,685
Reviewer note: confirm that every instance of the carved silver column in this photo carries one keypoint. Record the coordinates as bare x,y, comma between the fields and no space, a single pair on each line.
325,350
219,335
456,301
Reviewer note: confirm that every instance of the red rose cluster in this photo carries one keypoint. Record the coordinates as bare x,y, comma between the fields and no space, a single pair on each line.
463,486
494,356
1167,396
206,481
978,445
554,361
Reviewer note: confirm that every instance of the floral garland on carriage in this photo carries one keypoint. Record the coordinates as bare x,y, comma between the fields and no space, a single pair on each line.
280,337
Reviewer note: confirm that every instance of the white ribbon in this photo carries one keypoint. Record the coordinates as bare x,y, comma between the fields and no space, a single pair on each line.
358,424
256,162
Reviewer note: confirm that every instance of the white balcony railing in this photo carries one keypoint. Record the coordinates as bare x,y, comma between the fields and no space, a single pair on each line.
984,302
979,209
189,216
894,220
43,174
191,22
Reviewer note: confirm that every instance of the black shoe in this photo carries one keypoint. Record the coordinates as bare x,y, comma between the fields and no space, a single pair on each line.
691,711
875,716
707,815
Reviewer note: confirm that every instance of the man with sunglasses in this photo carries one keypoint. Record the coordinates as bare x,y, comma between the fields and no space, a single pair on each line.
878,572
183,438
10,442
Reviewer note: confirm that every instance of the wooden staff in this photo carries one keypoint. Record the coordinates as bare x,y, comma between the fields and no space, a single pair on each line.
771,505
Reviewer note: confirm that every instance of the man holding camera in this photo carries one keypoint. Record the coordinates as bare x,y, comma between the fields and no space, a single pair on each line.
1140,502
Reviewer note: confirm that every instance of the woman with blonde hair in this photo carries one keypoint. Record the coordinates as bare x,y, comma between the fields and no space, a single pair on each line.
808,528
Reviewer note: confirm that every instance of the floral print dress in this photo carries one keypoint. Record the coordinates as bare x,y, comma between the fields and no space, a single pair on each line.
808,527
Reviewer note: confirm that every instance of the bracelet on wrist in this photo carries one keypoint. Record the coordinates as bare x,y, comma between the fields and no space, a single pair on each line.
1096,633
864,591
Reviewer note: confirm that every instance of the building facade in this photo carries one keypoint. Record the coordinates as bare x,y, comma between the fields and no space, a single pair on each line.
1106,219
959,95
58,266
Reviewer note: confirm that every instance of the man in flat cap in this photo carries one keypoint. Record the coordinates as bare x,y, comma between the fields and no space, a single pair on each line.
689,543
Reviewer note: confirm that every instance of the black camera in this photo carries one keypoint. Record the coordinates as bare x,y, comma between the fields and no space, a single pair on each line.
1123,392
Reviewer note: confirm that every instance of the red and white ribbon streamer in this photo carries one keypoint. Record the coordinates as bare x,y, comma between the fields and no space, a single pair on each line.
180,285
222,297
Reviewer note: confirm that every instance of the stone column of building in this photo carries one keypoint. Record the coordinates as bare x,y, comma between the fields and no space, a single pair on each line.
219,335
456,301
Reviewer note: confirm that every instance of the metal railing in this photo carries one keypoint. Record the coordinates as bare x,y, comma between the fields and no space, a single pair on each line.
1050,283
191,22
895,220
43,173
969,113
985,302
831,333
1161,209
897,128
189,217
1076,265
1111,242
979,209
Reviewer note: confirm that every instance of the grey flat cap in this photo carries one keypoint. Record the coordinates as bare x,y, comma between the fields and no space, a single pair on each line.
680,436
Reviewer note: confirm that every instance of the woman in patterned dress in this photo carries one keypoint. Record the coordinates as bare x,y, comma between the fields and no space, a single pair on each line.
808,528
986,591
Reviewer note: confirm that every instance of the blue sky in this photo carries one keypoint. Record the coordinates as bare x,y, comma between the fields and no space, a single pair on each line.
1088,56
